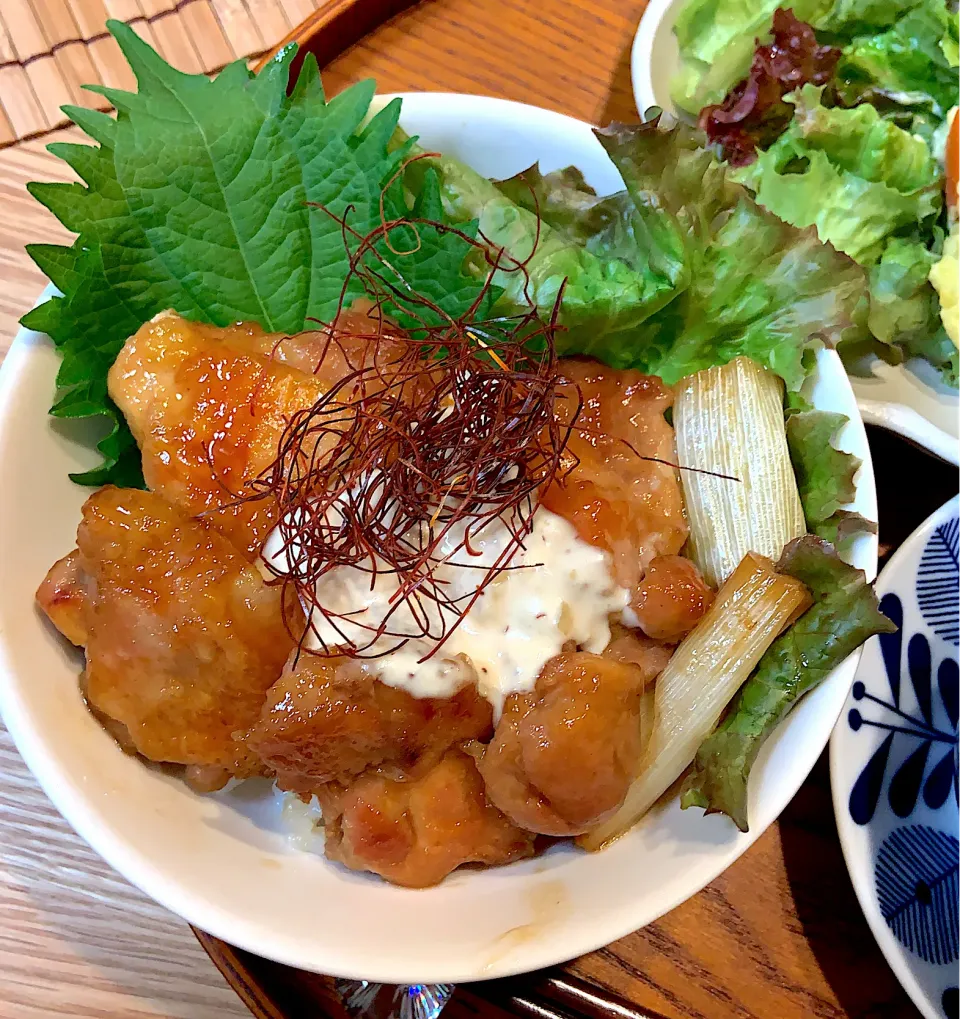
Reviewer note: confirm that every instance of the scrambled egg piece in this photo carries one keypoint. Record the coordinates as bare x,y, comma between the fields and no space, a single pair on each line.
944,277
944,274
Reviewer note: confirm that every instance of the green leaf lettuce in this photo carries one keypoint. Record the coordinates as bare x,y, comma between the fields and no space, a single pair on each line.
874,191
734,279
602,294
899,50
716,40
844,614
756,286
825,474
854,176
607,227
908,69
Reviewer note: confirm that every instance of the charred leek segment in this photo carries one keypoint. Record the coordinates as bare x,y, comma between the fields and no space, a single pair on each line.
730,420
845,613
708,668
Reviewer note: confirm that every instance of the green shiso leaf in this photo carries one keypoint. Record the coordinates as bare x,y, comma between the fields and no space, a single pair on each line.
201,197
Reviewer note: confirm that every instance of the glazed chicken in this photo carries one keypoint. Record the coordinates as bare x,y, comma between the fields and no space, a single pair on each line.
63,596
618,501
633,648
414,833
183,638
671,598
207,419
563,756
326,720
207,407
190,657
357,341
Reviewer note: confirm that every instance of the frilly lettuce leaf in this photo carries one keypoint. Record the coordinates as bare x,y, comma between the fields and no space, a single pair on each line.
874,191
845,19
844,614
562,198
716,41
731,279
602,295
859,141
843,526
855,215
677,186
716,38
757,286
196,198
744,281
754,114
854,176
825,474
898,54
903,304
907,70
606,227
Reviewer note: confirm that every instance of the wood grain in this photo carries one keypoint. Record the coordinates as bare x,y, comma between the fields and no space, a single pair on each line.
335,27
778,936
571,57
75,938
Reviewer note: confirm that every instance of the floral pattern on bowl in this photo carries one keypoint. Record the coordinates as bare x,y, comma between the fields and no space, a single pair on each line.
893,760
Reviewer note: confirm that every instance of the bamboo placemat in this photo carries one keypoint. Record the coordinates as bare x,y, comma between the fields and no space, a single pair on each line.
49,48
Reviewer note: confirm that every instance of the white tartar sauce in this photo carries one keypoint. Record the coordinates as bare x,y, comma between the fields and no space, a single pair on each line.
564,592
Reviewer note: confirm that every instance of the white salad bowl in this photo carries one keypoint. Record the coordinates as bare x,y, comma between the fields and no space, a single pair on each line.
226,862
910,398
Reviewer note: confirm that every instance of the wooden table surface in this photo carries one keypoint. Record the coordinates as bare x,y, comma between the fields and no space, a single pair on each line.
778,936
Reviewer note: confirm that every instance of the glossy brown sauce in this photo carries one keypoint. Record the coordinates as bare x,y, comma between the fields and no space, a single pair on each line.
189,661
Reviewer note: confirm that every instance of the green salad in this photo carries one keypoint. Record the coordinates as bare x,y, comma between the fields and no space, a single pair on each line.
233,200
835,115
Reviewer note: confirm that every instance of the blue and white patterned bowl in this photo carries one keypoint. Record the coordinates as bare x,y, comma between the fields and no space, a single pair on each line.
893,768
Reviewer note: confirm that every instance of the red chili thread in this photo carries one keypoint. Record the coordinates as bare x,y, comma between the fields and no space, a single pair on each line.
452,424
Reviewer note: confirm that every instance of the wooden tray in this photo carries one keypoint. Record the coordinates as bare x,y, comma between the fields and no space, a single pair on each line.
780,934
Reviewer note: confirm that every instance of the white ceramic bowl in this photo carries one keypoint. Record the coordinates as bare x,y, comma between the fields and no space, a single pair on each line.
910,399
223,862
